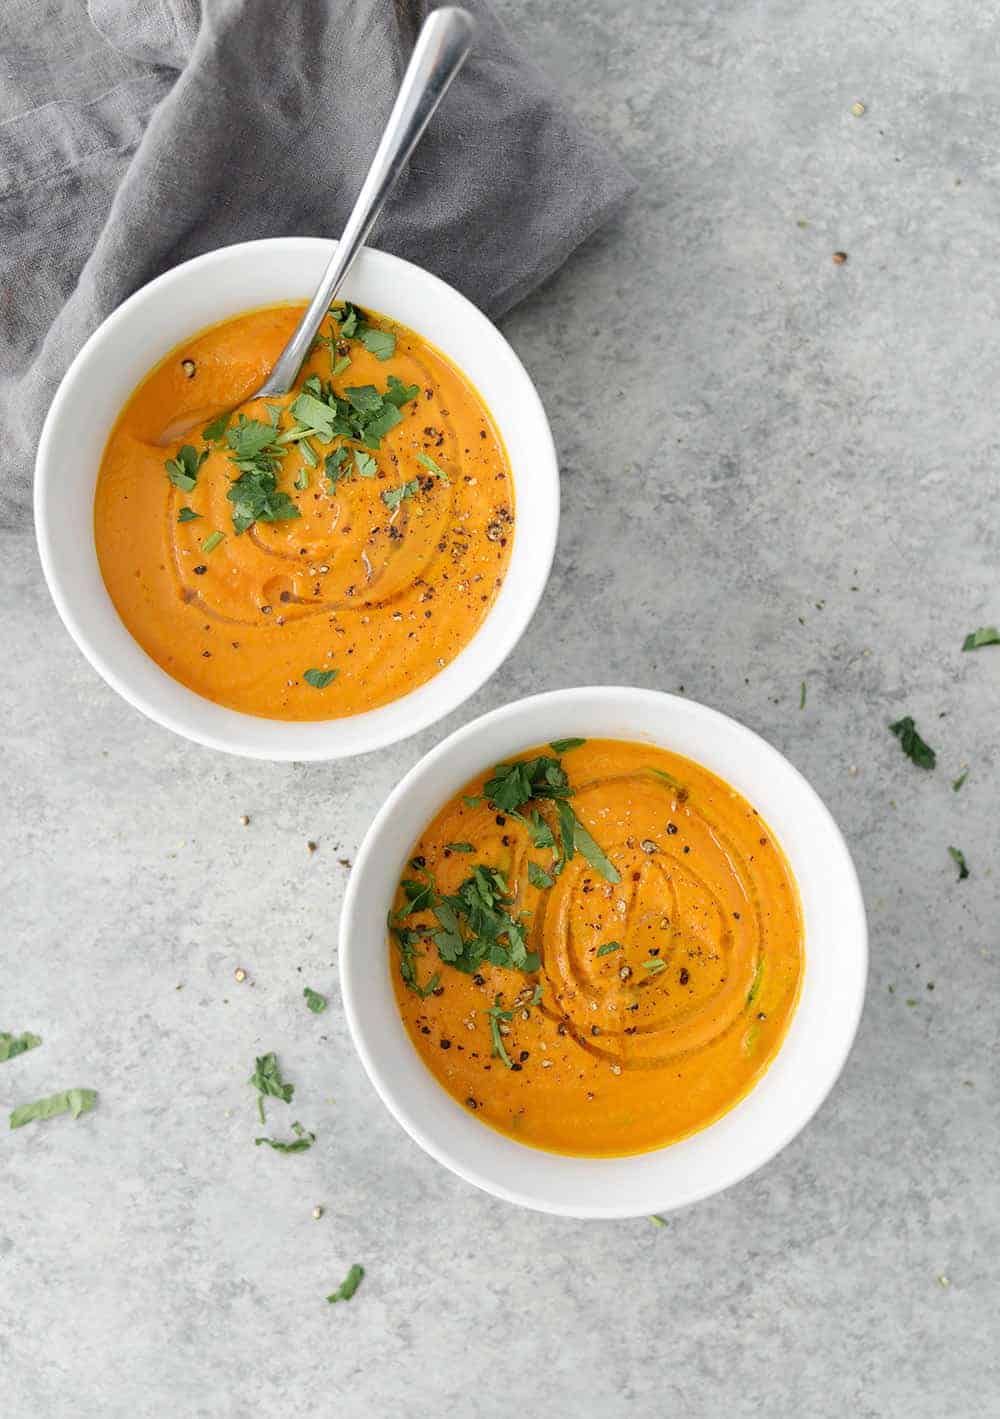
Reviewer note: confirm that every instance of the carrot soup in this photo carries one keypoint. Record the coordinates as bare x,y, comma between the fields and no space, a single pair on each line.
597,948
314,555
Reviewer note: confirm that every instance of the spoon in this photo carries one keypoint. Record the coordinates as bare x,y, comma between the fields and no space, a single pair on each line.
441,48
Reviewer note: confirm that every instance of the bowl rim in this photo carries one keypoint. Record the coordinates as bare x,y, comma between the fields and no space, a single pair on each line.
492,648
354,907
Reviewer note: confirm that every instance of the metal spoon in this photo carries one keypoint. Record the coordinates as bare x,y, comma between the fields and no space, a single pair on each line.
440,50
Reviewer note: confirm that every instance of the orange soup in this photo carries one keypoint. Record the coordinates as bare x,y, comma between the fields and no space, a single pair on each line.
314,555
597,948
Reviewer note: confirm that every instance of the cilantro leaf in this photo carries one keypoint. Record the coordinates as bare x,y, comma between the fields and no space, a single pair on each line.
654,965
539,831
407,963
380,343
392,497
380,424
212,433
957,783
913,746
608,947
255,498
186,514
496,1013
436,469
266,1079
72,1101
212,541
319,679
183,470
399,393
13,1045
317,1003
755,984
460,847
959,857
563,746
986,635
513,785
538,877
349,1285
585,844
303,1140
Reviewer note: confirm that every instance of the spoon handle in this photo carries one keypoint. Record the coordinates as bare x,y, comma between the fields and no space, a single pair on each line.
439,53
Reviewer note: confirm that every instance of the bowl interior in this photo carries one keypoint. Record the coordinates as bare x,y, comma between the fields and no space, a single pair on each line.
821,1031
157,318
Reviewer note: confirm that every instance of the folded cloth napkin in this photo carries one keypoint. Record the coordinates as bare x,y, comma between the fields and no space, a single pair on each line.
137,133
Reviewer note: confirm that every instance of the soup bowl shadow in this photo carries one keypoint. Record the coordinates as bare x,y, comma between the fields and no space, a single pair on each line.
782,1101
132,341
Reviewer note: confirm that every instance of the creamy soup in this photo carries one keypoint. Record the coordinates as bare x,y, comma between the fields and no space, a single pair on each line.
597,948
315,555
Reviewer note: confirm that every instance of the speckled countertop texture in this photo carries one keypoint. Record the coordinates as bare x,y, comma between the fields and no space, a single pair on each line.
776,469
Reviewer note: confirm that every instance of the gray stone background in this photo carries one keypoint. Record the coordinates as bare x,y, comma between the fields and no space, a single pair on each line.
775,469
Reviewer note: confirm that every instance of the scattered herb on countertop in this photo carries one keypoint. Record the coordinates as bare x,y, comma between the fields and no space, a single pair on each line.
213,432
319,679
664,777
986,635
913,746
496,1013
654,966
266,1079
349,1285
212,541
13,1045
538,877
515,784
958,857
957,783
317,1003
303,1140
72,1101
802,695
657,1220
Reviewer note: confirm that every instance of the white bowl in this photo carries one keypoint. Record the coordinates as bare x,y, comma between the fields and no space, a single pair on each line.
177,305
822,1029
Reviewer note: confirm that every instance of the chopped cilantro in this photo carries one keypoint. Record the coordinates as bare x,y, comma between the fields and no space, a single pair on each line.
460,847
365,464
496,1013
957,783
802,695
303,1140
319,679
755,984
392,497
471,802
380,343
266,1079
407,963
986,635
187,514
585,844
657,1220
433,467
538,877
212,541
349,1285
72,1101
317,1003
539,831
213,432
913,746
563,746
654,966
254,494
664,777
13,1045
958,857
608,947
183,470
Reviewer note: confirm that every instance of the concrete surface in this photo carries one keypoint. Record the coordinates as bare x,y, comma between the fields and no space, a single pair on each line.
776,469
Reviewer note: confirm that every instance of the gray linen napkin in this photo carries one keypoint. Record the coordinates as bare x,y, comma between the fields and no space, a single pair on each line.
137,133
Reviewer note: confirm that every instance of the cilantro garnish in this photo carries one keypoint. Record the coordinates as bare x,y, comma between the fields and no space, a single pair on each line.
72,1101
958,857
654,965
187,514
317,1003
392,497
13,1045
538,877
986,635
755,984
349,1285
303,1140
380,343
913,746
496,1013
460,847
563,746
664,777
365,464
407,962
183,470
957,783
608,947
433,467
319,679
